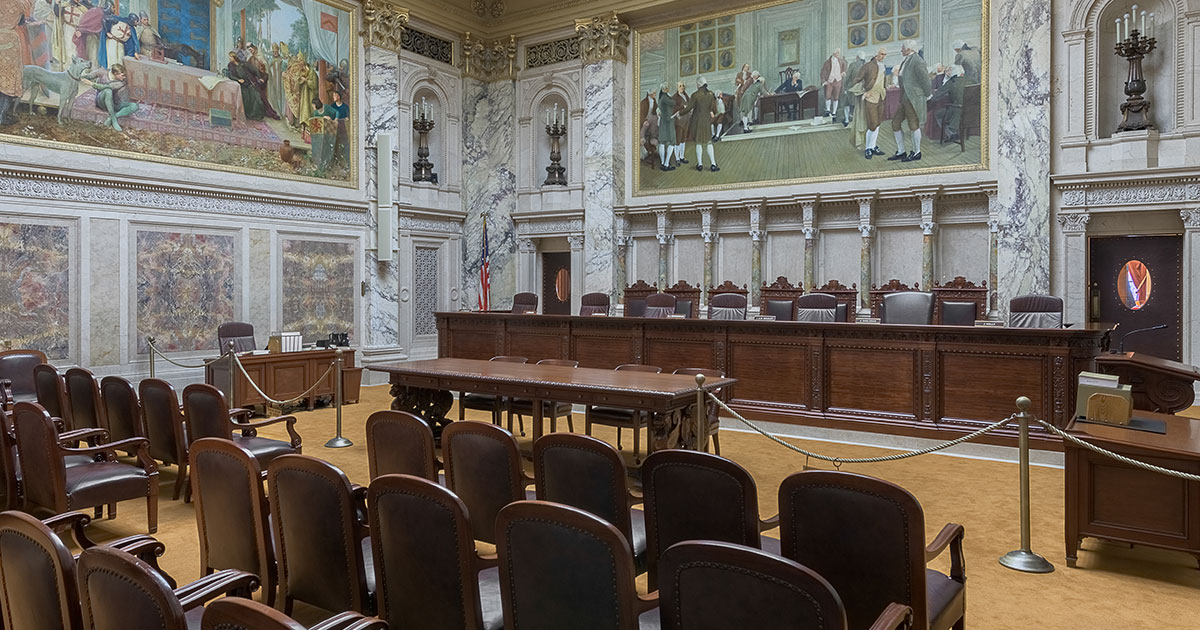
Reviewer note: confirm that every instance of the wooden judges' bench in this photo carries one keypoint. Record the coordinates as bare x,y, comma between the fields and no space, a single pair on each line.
926,381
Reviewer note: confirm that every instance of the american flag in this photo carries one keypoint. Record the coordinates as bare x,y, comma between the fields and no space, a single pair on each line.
485,280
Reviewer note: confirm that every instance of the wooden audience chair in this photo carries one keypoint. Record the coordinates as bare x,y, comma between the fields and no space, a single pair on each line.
321,536
207,414
237,613
483,468
428,573
487,402
116,590
399,442
867,537
689,495
83,390
121,408
550,409
631,419
231,512
587,473
16,376
48,483
52,393
709,585
10,463
561,567
714,412
163,420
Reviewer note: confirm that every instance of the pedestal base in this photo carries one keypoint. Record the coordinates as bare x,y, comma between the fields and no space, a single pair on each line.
431,405
1026,562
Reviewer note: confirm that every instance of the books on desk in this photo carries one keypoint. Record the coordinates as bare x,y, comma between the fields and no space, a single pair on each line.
1093,398
285,342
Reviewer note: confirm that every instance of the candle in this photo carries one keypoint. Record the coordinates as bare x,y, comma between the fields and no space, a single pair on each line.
1143,25
1151,33
1118,21
1126,25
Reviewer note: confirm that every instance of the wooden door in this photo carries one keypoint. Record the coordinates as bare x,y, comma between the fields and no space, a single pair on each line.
1136,283
556,283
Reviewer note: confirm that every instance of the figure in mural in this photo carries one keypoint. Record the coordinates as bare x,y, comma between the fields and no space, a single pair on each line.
667,145
968,58
791,82
11,54
853,85
300,86
241,72
952,90
89,37
832,74
915,90
260,78
749,99
275,69
872,79
718,121
37,81
149,39
112,96
682,123
649,128
702,107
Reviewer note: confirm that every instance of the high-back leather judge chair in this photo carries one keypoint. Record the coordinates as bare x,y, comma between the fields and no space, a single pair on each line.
16,375
51,390
823,517
483,467
709,585
122,409
959,313
207,414
593,304
239,613
659,305
816,307
525,303
781,310
400,443
726,306
426,566
87,412
163,421
240,333
907,307
1035,311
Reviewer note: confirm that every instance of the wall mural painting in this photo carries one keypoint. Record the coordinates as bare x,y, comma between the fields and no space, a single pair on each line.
318,292
260,87
35,273
186,287
812,90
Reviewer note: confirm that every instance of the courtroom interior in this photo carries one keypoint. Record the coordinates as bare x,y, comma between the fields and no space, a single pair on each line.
611,314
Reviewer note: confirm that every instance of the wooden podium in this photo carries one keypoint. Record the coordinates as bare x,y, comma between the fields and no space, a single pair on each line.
1160,385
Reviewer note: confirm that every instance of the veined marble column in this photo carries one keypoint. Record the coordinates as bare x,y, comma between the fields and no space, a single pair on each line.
576,242
1191,279
663,219
927,228
864,271
993,245
381,305
1074,227
810,245
756,253
706,232
623,241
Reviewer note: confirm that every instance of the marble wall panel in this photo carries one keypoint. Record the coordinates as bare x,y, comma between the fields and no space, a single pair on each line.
260,274
187,285
840,252
898,255
104,279
318,288
963,252
604,173
689,260
35,273
489,186
381,304
645,265
734,262
785,251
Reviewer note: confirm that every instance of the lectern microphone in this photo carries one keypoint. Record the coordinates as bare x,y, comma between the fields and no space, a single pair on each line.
1121,347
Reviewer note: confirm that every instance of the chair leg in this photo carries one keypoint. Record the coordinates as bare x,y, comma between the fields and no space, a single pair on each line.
520,424
288,602
618,438
646,417
180,479
462,411
637,432
716,440
587,421
152,510
571,422
97,512
112,510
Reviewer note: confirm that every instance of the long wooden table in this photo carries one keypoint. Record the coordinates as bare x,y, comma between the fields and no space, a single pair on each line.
925,381
424,388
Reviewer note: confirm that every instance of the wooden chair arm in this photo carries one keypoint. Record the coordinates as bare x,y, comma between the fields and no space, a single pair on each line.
209,587
769,523
76,522
950,536
646,602
110,448
635,497
250,429
359,494
239,412
894,617
79,435
147,549
526,480
350,621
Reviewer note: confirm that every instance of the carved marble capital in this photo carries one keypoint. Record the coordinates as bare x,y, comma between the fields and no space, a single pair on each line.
866,230
755,210
808,212
927,227
383,24
1074,223
662,219
665,239
490,60
810,233
994,226
926,208
603,37
864,209
526,246
1191,219
575,241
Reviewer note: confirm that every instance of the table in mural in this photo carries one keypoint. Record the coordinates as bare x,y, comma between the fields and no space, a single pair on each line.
179,86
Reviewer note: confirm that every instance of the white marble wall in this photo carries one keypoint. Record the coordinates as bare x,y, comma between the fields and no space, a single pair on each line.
382,333
784,257
489,185
604,173
897,255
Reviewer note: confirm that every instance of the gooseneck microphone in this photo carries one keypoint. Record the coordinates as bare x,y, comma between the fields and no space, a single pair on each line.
1121,347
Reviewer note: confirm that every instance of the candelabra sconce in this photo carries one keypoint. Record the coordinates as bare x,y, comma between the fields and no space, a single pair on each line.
423,124
556,128
1134,42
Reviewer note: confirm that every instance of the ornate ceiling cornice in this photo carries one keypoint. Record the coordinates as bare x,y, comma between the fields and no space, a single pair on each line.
383,24
489,60
603,37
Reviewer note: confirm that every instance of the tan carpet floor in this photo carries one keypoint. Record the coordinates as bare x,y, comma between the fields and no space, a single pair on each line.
1114,586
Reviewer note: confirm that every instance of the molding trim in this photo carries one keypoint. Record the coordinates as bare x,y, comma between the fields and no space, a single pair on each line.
383,25
603,37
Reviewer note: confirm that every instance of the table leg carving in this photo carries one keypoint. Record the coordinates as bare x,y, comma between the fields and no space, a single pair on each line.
431,405
677,429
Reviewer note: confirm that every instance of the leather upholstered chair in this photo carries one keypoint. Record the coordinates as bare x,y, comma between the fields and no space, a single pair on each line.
710,585
714,415
486,402
631,419
659,305
782,310
87,411
51,390
207,414
240,333
122,409
561,567
521,407
322,542
593,304
400,443
239,613
816,307
231,512
725,306
10,463
429,574
1035,311
867,537
49,483
116,590
689,495
483,467
16,375
907,307
163,421
525,303
959,313
37,576
587,473
635,307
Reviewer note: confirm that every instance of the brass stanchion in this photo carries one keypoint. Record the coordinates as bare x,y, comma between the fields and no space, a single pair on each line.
150,344
338,441
700,415
1024,559
232,367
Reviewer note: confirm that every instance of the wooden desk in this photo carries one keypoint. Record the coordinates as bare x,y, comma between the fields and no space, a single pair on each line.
423,388
281,375
1114,501
926,381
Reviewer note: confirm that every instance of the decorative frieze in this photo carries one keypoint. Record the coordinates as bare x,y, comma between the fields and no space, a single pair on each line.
429,224
384,24
603,37
549,226
1131,195
557,51
490,60
426,45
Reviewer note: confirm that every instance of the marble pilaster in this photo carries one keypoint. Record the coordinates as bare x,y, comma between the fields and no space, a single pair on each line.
1191,278
756,253
663,220
927,235
864,270
808,212
526,266
576,242
105,295
604,170
623,241
993,264
381,305
710,238
1074,228
489,187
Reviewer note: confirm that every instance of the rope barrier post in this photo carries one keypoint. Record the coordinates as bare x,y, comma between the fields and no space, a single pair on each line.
701,417
338,441
1024,559
150,344
232,364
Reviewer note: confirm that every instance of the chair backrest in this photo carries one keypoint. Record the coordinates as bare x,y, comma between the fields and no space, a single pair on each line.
561,567
725,306
43,474
87,412
684,306
816,307
907,307
317,536
593,303
51,390
1035,311
8,463
425,569
399,442
231,509
659,305
239,613
956,313
525,303
635,307
709,585
822,516
509,359
206,412
483,467
782,310
116,590
122,409
841,313
690,495
37,576
240,333
162,419
583,472
17,366
638,367
559,362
